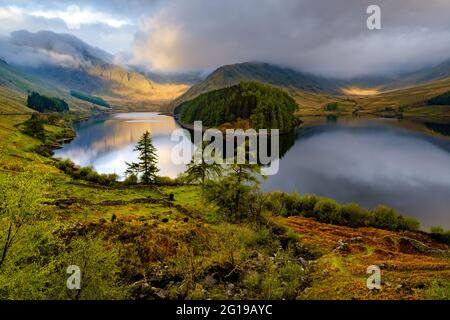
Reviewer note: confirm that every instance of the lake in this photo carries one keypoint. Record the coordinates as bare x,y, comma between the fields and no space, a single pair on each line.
399,163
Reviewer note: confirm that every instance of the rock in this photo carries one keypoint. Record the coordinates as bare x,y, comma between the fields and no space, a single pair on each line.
158,293
342,246
413,246
209,281
356,239
304,262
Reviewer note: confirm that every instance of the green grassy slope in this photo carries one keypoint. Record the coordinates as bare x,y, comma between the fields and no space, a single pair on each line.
184,249
14,86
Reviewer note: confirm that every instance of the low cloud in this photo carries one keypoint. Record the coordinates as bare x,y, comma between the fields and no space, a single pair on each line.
328,38
34,49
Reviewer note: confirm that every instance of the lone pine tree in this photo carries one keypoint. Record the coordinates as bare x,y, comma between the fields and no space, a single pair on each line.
146,166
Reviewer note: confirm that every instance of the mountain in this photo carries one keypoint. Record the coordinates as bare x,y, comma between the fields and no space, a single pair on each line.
15,85
69,63
14,79
438,72
230,75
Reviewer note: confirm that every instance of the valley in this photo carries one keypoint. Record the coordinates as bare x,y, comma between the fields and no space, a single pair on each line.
186,249
355,188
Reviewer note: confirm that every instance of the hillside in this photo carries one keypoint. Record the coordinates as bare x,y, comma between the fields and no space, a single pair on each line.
70,64
142,245
258,105
283,77
388,95
14,79
15,85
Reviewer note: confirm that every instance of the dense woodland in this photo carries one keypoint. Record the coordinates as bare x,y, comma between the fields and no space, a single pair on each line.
43,103
441,100
92,99
265,107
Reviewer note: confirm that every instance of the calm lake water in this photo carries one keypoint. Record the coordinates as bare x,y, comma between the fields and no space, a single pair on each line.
403,164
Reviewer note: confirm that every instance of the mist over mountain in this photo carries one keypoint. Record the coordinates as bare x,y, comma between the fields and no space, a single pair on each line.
68,62
47,47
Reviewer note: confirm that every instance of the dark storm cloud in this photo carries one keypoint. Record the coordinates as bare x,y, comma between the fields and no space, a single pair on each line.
325,37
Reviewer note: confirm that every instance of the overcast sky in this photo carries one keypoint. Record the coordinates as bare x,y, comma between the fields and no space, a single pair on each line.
327,37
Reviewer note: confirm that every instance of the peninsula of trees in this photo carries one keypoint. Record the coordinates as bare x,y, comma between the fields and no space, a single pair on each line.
258,105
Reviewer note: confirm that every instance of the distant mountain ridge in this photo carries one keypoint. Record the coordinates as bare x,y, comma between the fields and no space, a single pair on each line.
230,75
69,63
296,81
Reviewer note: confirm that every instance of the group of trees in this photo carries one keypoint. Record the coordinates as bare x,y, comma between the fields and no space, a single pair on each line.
43,103
441,100
329,211
235,188
265,107
86,173
34,127
439,234
92,99
332,106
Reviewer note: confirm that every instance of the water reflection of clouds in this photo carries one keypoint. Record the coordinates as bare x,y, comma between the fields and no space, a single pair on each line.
376,159
350,162
143,121
108,144
392,167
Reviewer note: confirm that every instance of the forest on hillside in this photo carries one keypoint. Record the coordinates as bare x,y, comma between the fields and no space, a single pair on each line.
43,103
265,107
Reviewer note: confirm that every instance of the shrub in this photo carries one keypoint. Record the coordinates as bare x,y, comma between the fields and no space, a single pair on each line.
67,166
293,203
275,203
44,150
34,127
308,202
328,211
439,234
355,216
132,179
262,236
165,181
437,229
86,173
408,223
106,179
439,291
385,218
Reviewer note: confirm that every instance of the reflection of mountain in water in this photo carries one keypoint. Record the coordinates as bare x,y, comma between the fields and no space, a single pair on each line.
106,133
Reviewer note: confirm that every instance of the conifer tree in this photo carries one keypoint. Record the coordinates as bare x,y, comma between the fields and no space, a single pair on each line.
146,166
